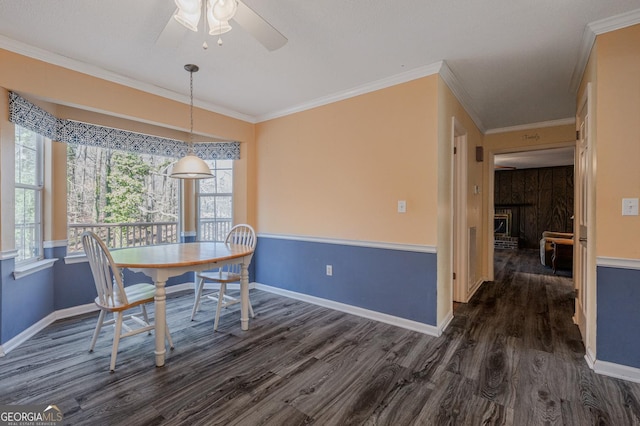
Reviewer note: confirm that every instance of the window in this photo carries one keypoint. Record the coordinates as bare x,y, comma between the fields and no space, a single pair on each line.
28,194
126,198
215,202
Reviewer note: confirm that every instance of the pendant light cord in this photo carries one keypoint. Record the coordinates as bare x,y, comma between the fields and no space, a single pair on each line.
191,112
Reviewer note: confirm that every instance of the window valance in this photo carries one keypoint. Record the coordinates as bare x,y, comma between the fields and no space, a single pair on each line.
32,117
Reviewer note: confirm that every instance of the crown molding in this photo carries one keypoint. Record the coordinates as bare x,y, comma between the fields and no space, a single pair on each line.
404,77
530,126
92,70
461,94
594,29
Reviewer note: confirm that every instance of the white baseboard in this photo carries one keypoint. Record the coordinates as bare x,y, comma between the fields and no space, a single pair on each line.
354,310
445,323
475,288
618,371
589,357
73,311
16,341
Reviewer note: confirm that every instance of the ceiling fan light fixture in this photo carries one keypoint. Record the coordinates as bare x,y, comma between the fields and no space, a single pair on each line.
216,27
188,19
224,10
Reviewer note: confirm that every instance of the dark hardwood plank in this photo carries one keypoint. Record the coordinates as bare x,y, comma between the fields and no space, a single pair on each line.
511,356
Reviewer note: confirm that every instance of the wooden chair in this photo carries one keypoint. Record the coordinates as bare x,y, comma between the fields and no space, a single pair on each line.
239,234
115,298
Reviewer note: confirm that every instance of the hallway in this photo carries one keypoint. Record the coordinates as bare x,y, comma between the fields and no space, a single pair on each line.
520,348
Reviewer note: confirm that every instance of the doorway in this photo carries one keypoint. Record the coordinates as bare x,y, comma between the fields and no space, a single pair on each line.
531,198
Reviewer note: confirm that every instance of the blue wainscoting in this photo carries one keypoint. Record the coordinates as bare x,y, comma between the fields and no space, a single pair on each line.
25,301
32,298
618,316
399,282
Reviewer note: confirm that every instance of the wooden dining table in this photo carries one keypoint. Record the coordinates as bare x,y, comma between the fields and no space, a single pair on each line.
169,260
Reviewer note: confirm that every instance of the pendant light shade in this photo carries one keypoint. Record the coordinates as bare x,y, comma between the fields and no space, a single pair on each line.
191,166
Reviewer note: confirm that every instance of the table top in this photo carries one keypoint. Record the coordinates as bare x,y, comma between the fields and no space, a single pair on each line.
177,255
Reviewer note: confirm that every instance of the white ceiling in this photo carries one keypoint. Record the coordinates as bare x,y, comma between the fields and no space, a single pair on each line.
513,60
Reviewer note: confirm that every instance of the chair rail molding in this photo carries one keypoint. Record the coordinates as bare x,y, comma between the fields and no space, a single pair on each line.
358,243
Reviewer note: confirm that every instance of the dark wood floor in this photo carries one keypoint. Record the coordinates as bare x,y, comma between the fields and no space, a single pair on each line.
511,356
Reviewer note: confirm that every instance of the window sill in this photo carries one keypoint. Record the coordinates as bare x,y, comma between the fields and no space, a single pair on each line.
22,271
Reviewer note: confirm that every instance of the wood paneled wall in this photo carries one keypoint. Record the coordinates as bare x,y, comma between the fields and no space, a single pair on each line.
539,199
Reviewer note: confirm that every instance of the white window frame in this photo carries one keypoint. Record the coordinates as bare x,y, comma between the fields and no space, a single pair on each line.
213,166
38,188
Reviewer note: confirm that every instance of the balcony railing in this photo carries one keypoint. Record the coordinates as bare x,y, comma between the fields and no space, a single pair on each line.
121,235
214,229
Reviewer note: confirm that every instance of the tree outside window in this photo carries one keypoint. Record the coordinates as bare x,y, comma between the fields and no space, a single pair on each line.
126,198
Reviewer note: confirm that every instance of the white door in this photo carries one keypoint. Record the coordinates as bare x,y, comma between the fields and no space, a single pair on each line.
582,277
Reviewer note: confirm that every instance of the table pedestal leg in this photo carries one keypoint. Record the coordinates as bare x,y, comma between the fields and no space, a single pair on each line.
160,322
244,297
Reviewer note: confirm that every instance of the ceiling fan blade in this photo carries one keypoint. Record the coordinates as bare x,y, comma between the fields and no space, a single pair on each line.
260,29
172,34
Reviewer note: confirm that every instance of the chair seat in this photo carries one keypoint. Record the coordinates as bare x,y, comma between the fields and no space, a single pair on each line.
220,277
136,294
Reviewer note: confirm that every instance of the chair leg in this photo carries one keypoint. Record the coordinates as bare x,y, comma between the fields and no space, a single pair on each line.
143,308
97,330
198,295
168,336
251,310
223,288
116,340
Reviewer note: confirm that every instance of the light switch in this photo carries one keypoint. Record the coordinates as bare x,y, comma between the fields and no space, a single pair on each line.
402,206
629,207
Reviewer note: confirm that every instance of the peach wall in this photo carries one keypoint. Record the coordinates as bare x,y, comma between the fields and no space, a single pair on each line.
75,95
337,171
63,86
618,142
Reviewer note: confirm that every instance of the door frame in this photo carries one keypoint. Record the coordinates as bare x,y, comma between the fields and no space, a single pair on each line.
585,274
459,193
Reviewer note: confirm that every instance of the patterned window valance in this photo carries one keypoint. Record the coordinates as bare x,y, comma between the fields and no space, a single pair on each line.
32,117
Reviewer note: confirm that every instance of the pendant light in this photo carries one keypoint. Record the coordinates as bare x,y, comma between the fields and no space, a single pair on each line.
191,166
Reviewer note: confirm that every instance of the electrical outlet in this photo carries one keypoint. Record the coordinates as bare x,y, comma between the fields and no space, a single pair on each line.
402,206
329,270
629,207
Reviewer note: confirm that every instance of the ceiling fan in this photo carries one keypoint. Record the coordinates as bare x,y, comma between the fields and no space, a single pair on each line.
217,14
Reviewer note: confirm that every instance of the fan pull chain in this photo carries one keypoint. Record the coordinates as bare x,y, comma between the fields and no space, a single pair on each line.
205,46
